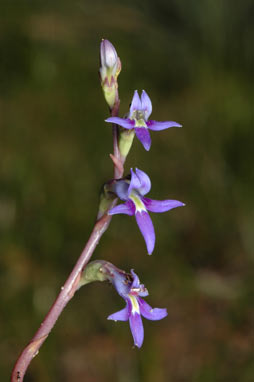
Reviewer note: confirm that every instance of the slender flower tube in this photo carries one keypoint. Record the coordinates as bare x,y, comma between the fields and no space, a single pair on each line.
132,192
129,288
137,119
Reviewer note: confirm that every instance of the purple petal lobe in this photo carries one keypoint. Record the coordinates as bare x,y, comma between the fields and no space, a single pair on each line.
135,282
145,182
137,329
127,208
135,182
122,315
149,313
161,205
126,123
119,281
120,188
135,103
142,291
146,227
143,136
146,104
155,125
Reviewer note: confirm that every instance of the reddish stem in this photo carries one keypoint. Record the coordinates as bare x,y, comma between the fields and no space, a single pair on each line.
71,284
65,295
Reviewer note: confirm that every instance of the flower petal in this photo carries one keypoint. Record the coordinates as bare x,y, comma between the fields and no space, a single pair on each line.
143,291
146,227
120,188
122,315
126,123
137,329
139,289
120,281
155,125
149,313
146,104
135,103
145,182
127,208
161,205
134,183
135,282
143,136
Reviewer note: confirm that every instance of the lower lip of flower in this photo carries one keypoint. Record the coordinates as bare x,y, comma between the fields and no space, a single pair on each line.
138,203
134,304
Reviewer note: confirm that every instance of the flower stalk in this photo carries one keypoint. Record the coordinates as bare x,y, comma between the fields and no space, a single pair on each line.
131,190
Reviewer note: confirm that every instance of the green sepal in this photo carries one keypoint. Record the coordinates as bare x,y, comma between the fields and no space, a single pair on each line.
106,199
110,93
94,271
125,141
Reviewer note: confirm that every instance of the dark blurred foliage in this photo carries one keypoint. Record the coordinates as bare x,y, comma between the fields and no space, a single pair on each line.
195,59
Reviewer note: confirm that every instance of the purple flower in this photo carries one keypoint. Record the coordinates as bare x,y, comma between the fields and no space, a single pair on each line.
130,289
140,110
132,192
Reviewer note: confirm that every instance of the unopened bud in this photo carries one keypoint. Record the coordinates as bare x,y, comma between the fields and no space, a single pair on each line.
109,71
109,58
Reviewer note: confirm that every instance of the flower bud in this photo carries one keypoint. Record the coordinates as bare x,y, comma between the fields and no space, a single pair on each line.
109,57
109,71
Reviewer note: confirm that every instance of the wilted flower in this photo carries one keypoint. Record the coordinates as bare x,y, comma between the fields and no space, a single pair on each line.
137,119
130,289
132,192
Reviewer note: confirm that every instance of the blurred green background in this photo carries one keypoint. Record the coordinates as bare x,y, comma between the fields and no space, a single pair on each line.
195,59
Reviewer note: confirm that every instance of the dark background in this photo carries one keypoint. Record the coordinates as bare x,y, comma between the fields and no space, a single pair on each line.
195,59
